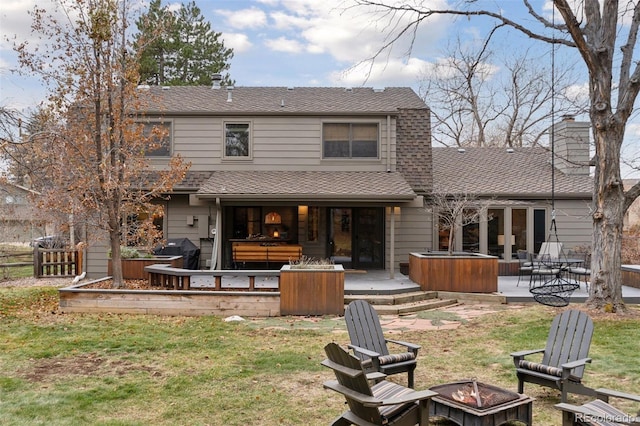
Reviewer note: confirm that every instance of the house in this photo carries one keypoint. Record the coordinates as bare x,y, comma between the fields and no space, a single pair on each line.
523,190
18,223
340,173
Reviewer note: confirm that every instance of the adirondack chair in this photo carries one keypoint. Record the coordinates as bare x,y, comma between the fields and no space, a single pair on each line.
599,412
384,403
369,344
564,356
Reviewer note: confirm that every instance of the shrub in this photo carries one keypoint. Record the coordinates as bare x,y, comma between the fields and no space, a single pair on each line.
311,263
127,253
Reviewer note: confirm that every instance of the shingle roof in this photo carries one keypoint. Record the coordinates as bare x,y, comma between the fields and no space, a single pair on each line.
496,172
301,185
280,100
193,180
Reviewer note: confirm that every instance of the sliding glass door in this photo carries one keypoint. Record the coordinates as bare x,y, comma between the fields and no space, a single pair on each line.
356,237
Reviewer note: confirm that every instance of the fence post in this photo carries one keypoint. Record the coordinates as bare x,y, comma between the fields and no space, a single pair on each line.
37,262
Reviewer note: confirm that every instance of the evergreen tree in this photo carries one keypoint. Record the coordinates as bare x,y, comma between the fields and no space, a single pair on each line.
179,49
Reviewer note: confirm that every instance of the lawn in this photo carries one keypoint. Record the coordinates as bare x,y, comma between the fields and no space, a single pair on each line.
145,370
10,255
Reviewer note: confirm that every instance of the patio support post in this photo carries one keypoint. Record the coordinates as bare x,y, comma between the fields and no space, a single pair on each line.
392,243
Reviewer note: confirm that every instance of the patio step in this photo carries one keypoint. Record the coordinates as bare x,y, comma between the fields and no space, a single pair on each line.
403,303
410,308
392,299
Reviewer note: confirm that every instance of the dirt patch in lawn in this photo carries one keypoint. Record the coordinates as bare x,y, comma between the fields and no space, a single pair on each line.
43,370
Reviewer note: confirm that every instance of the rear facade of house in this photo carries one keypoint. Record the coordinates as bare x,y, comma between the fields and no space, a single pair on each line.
341,173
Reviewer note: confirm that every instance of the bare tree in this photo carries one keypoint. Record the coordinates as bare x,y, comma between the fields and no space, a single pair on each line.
474,104
596,31
94,146
455,211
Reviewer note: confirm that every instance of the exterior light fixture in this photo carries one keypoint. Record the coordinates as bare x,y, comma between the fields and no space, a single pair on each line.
272,218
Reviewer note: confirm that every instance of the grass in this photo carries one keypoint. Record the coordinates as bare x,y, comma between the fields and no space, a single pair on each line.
15,254
106,369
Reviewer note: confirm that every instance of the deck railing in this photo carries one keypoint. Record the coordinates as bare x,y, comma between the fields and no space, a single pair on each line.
165,276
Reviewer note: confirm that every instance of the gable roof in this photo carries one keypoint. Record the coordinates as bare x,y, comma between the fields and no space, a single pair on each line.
194,100
307,186
524,173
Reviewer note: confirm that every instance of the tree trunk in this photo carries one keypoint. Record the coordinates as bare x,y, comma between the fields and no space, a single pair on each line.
116,260
605,292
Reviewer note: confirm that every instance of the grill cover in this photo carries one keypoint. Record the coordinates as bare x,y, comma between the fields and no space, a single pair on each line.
181,247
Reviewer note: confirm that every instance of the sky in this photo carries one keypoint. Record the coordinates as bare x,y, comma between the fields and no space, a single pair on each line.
297,43
281,43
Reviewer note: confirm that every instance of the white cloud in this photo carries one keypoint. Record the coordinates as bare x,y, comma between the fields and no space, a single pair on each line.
378,74
285,21
347,34
16,22
283,44
237,41
578,92
245,18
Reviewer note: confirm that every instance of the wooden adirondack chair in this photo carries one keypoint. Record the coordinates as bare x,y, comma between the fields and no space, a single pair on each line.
369,344
599,412
385,403
564,356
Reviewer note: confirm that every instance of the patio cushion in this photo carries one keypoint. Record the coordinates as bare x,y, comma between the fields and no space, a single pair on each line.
388,390
391,359
535,366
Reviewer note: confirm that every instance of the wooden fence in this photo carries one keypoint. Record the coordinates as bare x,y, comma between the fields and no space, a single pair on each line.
56,263
14,260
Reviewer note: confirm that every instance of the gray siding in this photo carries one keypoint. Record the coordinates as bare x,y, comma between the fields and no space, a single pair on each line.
283,143
412,234
95,259
574,223
176,225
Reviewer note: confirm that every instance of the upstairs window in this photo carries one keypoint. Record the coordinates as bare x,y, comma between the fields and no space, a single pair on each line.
158,136
350,140
237,140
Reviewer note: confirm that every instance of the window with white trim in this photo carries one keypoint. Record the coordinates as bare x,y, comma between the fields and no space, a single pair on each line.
237,140
158,137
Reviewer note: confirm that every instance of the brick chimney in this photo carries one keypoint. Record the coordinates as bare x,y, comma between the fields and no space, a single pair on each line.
571,142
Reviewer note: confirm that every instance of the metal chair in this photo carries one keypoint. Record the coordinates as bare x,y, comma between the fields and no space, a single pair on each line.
525,265
582,272
543,268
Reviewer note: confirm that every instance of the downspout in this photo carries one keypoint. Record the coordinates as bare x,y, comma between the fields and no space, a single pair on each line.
392,237
388,143
216,249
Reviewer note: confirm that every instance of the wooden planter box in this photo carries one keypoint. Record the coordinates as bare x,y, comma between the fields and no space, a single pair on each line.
631,275
312,291
461,272
133,269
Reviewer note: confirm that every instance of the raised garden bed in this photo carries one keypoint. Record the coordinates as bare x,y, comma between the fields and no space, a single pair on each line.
133,269
312,291
460,272
91,298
